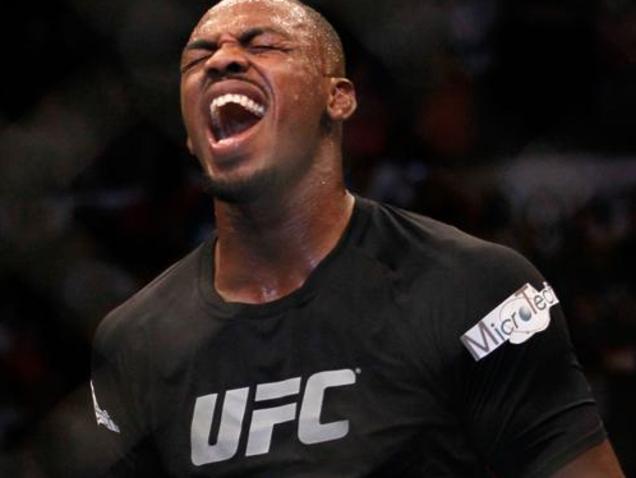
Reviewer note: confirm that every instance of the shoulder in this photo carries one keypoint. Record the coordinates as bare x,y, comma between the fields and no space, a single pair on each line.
173,290
428,247
450,279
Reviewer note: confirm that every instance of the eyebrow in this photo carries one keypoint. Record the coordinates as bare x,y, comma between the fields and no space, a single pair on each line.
257,31
200,44
246,36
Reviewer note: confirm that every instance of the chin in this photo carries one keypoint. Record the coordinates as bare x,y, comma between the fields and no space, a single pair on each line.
243,190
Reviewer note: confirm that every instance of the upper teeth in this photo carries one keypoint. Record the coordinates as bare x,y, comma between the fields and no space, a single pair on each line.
247,103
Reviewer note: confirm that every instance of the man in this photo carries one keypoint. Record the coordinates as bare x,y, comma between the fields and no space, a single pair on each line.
321,335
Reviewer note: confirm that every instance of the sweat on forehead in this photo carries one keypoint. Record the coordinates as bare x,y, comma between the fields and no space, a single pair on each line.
292,12
294,5
296,14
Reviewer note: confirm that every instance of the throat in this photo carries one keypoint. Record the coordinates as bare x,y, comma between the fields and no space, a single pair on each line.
257,282
257,261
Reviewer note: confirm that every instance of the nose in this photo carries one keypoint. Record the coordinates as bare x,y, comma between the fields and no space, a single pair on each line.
227,59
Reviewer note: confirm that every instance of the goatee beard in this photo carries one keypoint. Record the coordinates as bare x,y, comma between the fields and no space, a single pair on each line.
242,190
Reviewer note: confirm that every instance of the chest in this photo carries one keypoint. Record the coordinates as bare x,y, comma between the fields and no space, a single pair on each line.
336,388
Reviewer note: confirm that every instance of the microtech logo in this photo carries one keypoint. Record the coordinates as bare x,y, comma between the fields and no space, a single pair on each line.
515,320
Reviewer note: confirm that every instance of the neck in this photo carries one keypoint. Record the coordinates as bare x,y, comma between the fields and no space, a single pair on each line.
266,249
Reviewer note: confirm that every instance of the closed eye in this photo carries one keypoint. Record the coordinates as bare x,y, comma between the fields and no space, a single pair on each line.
262,47
259,40
189,63
196,52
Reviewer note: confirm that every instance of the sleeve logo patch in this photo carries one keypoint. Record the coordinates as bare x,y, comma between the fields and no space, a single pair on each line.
523,314
101,415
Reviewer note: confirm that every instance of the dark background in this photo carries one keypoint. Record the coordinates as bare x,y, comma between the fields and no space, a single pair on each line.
512,120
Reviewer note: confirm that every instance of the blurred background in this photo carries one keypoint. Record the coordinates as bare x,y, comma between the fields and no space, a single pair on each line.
511,120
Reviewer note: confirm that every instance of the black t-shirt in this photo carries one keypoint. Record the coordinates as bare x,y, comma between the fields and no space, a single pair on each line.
412,350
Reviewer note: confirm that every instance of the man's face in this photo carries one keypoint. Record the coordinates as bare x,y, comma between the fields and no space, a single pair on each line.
253,92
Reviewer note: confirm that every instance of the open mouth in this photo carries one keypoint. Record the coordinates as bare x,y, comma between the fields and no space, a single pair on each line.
233,114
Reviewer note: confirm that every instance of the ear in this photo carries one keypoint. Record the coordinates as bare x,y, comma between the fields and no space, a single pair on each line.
189,145
342,99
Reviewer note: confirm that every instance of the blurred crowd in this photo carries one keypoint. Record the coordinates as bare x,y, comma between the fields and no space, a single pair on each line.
511,120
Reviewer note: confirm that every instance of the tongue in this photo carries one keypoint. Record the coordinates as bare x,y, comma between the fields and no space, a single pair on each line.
231,120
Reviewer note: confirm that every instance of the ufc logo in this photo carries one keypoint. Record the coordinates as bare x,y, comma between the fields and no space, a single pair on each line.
310,429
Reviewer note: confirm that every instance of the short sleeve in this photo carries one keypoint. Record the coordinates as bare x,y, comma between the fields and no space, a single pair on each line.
117,383
524,399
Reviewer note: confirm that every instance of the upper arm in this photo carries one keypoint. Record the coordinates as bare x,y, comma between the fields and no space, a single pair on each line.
597,462
526,404
118,380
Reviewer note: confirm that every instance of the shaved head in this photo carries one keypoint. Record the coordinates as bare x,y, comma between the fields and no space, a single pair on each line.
324,34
